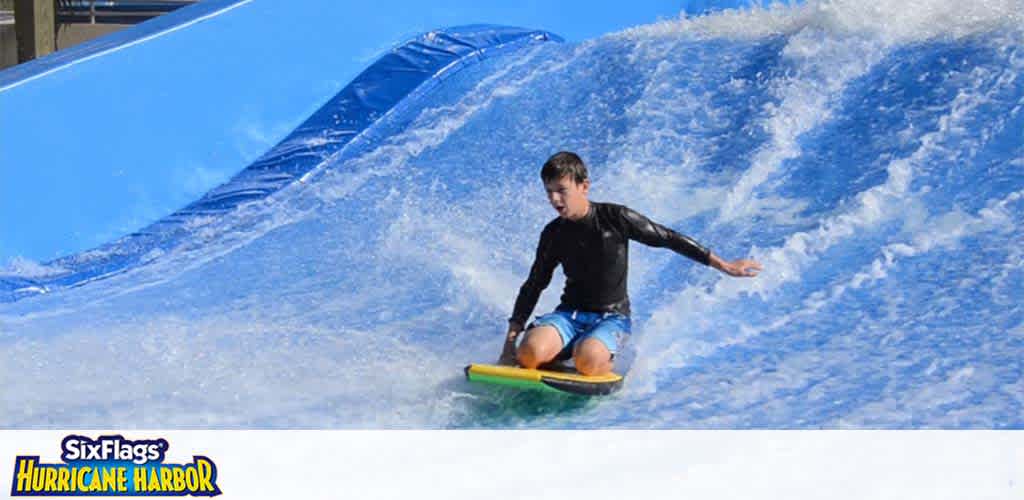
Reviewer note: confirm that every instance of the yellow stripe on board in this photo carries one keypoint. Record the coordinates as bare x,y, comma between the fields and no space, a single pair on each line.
514,372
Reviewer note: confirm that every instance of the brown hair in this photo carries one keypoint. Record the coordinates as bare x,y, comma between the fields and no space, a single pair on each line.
562,164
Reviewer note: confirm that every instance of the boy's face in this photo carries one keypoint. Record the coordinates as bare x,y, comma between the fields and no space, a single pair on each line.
568,197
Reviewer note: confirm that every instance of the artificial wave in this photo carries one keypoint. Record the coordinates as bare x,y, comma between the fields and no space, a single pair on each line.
871,156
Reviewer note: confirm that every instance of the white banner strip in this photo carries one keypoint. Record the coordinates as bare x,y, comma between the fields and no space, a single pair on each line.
586,465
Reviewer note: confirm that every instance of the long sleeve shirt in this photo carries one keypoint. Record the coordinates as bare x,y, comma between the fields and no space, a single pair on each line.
594,254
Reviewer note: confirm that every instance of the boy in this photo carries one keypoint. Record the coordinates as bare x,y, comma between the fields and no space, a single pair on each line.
590,240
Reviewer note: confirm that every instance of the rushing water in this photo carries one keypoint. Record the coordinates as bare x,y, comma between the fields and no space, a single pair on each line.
871,156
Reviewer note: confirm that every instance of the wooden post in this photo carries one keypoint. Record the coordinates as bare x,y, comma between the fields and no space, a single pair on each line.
34,24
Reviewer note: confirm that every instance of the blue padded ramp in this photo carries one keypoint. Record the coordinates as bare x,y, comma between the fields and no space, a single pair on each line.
392,81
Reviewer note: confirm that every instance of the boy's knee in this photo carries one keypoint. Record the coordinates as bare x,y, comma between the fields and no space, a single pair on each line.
588,365
527,355
540,346
593,358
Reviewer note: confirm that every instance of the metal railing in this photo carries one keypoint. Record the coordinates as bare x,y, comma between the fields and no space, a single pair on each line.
114,11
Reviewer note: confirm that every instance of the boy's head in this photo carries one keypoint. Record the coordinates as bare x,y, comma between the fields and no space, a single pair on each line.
566,181
564,164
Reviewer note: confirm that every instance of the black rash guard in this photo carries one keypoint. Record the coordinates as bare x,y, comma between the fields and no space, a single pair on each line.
594,254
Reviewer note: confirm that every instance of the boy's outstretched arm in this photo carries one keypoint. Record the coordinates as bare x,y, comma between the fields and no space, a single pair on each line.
650,233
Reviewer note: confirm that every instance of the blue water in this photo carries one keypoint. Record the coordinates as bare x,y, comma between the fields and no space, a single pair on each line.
872,158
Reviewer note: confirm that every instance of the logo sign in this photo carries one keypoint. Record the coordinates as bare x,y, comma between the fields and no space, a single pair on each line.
113,466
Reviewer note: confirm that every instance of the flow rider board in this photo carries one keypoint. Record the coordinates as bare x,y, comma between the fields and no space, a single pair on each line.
546,380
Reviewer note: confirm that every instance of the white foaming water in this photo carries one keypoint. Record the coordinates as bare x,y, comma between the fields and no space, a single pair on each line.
869,155
28,268
890,21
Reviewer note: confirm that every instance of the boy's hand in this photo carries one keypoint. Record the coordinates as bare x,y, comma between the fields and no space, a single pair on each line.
740,268
508,351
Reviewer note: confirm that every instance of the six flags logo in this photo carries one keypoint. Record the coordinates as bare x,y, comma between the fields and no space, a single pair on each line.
113,466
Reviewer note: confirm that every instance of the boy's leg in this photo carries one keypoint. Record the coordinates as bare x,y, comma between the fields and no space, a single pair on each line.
547,336
541,345
596,349
593,357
